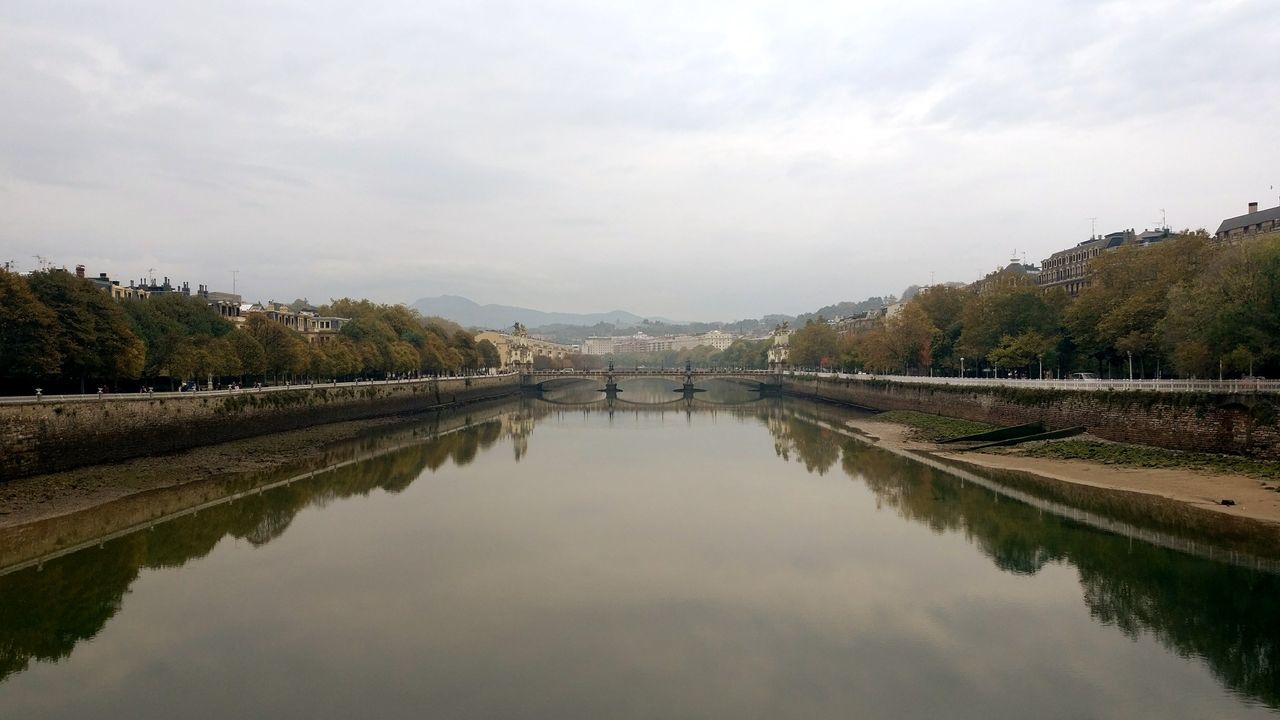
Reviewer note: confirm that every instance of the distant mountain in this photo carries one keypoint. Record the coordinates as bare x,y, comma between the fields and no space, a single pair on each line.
471,314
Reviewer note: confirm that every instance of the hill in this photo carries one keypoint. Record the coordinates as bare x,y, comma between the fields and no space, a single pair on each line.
472,314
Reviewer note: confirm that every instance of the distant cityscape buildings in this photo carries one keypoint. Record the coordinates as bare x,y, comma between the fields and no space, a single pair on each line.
506,343
1069,269
642,343
313,327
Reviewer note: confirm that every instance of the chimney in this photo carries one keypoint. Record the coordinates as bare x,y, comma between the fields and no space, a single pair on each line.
80,268
1253,208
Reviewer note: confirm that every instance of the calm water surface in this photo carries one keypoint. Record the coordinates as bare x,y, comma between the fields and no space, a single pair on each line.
548,561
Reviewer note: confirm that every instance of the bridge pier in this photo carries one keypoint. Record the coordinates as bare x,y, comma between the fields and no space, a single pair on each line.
769,389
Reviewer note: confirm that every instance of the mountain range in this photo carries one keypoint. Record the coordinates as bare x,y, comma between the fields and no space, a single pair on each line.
469,313
572,327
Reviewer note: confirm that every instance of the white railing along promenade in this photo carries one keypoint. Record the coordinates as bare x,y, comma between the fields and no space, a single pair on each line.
1167,385
141,396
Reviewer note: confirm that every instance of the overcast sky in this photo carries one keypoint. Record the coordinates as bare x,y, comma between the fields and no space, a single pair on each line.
698,160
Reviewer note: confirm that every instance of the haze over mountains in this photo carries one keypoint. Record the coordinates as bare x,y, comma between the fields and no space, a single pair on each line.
469,313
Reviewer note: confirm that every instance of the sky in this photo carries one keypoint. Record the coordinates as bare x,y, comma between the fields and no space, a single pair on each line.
696,160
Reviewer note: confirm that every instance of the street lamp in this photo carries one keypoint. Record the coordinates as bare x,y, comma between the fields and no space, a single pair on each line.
961,366
1130,353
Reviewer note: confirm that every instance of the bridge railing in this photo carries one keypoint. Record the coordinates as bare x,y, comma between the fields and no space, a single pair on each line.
1166,385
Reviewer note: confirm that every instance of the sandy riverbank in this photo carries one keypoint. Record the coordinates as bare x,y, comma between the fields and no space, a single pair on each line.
1199,489
40,497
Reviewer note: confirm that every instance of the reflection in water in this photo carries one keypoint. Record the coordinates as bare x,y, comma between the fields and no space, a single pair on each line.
1195,607
48,609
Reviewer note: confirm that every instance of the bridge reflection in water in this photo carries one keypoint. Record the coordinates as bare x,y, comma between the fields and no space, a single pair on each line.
1194,606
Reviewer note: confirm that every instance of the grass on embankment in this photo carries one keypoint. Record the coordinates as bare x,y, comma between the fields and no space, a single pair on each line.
940,427
933,427
1150,457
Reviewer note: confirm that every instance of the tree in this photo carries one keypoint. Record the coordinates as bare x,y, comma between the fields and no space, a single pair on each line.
1021,350
1008,310
27,331
944,307
465,345
404,358
750,354
911,336
814,344
92,334
1122,310
249,354
489,355
284,351
171,321
1233,303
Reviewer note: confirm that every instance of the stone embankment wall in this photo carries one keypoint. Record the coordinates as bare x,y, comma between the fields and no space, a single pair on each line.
51,436
1221,423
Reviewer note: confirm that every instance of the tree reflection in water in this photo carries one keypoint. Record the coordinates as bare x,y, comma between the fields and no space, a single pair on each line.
48,609
1194,606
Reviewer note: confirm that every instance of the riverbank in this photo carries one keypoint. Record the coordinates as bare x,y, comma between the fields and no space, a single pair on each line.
40,497
46,514
38,437
1197,488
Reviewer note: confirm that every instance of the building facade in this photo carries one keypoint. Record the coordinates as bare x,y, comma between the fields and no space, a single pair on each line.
1070,269
1015,273
643,343
1254,222
537,347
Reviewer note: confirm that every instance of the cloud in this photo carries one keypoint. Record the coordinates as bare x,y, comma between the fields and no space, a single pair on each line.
577,155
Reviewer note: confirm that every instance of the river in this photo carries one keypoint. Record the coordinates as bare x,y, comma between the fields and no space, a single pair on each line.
725,557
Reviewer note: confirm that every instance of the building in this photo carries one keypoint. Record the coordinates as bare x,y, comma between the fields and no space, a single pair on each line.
717,339
1254,222
313,327
643,343
864,321
119,293
1070,269
537,346
228,305
1016,272
154,288
597,345
320,329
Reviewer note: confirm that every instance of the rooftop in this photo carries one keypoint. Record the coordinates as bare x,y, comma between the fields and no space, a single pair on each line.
1247,219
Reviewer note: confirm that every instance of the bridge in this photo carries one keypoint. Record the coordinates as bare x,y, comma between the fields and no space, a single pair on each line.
763,381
